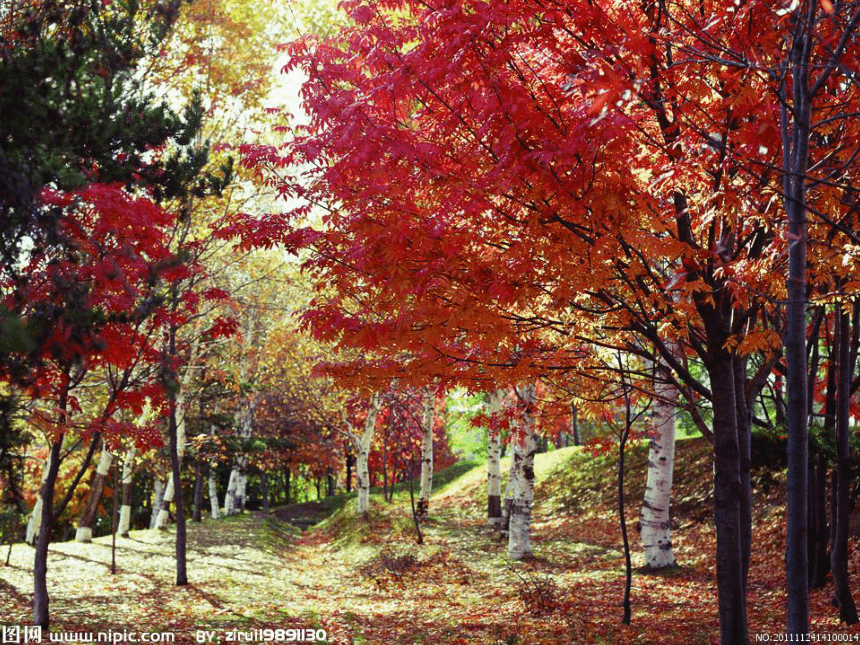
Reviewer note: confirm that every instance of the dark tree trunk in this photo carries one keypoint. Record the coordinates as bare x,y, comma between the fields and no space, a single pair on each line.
728,495
416,518
287,485
264,482
197,513
818,535
41,616
839,555
744,425
181,571
114,518
172,431
574,425
628,566
330,481
350,460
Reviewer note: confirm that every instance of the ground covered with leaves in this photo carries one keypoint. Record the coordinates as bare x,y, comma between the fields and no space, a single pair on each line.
365,580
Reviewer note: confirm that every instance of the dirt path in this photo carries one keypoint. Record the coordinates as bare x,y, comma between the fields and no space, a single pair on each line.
364,581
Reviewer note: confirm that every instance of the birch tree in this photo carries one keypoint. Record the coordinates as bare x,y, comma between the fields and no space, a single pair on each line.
519,532
35,521
494,458
213,492
84,532
654,518
427,452
230,495
158,490
363,451
127,480
241,467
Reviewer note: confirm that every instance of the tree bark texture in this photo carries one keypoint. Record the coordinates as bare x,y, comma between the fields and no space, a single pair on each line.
84,532
426,452
731,586
127,480
34,524
41,601
362,472
494,470
655,520
525,446
214,509
839,555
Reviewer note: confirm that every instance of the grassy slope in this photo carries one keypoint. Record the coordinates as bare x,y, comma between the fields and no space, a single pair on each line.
366,581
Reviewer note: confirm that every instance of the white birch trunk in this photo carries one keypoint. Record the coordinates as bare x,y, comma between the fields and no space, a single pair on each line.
164,512
234,501
127,479
362,472
510,489
242,474
427,453
230,495
654,521
494,471
35,521
519,535
84,532
213,493
241,483
158,498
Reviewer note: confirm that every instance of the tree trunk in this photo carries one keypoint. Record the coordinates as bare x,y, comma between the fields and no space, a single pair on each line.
264,482
628,566
731,588
331,483
287,485
819,558
655,521
362,472
350,460
161,520
744,423
574,425
214,510
114,524
175,456
494,471
85,524
197,513
519,534
230,495
426,453
41,616
241,485
158,489
839,555
510,491
795,126
127,480
34,524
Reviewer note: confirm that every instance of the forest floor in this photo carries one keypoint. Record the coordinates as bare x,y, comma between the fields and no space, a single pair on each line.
366,581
